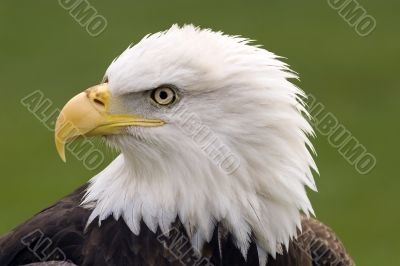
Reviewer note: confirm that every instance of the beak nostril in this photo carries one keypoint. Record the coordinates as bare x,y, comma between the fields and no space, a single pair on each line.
97,101
98,95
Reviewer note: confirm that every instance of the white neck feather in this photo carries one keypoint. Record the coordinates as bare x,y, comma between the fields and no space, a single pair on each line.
158,184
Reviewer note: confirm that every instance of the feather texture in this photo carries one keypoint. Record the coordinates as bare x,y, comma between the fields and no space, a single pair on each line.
113,243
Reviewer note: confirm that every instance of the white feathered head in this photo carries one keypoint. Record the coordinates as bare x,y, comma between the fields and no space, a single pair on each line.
210,130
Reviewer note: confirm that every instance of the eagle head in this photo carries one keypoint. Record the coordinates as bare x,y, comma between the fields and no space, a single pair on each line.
209,131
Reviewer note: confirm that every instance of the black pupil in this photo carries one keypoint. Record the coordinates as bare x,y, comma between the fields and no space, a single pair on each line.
163,95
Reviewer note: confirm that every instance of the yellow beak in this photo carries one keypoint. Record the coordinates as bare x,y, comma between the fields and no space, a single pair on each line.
87,114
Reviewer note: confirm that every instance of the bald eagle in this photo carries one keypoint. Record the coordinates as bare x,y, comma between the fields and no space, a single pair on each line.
213,167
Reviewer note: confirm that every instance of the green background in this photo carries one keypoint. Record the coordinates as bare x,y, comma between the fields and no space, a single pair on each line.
43,48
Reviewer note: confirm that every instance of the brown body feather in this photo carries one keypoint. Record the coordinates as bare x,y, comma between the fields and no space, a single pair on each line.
58,234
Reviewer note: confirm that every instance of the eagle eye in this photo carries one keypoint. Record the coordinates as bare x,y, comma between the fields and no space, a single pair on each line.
163,95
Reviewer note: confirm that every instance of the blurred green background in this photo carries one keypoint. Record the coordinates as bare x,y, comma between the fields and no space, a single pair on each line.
43,48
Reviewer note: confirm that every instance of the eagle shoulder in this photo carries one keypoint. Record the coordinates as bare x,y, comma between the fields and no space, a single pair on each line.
322,244
54,234
59,233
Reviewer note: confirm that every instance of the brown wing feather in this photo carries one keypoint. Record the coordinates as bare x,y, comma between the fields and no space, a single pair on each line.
324,246
51,263
55,233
